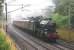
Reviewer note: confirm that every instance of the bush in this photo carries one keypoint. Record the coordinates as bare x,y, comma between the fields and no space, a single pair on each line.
60,20
3,44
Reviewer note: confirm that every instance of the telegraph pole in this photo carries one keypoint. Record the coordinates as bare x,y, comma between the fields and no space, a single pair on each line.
6,15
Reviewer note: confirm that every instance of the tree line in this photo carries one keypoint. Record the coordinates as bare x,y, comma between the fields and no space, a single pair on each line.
64,12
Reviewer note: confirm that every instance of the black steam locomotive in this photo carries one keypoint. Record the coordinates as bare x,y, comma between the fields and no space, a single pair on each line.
42,28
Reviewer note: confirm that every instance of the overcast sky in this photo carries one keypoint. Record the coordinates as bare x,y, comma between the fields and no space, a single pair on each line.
31,7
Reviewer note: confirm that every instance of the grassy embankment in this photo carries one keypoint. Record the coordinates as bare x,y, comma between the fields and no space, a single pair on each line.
63,29
5,41
66,34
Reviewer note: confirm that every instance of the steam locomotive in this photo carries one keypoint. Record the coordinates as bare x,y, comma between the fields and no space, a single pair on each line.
42,28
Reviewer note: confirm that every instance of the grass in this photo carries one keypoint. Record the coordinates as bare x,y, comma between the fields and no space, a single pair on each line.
4,45
66,34
5,41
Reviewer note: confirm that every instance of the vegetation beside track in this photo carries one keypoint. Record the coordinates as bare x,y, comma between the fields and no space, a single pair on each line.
64,31
66,34
5,41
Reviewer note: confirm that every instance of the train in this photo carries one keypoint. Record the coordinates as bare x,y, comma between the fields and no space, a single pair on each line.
42,28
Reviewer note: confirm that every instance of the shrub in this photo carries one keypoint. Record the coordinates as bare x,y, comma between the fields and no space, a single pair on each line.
60,20
3,44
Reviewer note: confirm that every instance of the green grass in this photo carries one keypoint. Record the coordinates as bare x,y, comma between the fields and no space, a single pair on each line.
6,43
3,44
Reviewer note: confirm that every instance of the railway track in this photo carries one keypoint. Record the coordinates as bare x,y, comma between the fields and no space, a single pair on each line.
32,43
23,44
65,44
44,44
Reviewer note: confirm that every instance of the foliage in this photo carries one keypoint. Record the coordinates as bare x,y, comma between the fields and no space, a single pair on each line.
60,20
3,44
65,8
1,9
6,42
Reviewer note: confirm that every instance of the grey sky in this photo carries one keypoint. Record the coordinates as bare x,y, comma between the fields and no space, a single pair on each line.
35,7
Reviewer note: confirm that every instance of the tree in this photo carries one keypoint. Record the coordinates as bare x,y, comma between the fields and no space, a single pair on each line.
65,8
61,21
1,9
